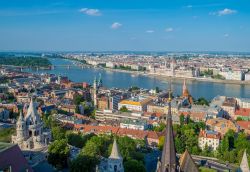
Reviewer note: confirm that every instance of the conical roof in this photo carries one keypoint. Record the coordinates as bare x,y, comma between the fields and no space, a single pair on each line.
32,114
168,159
20,119
115,154
244,163
187,163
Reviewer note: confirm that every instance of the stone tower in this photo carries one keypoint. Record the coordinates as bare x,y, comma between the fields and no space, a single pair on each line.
95,92
21,129
115,160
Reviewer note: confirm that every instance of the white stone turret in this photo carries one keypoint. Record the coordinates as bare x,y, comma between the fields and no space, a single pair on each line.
21,129
115,160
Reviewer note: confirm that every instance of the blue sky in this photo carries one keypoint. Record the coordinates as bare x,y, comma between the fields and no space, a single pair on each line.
140,25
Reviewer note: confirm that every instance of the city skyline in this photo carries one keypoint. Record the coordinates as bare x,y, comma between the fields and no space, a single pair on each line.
124,25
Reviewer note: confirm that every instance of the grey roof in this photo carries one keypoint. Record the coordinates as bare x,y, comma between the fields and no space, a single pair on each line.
244,167
168,159
187,163
115,154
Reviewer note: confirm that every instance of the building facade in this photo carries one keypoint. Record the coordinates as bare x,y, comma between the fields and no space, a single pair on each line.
30,133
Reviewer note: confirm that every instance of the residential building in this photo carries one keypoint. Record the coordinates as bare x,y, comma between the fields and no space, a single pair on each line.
134,124
243,102
244,126
221,125
242,113
209,138
230,105
138,103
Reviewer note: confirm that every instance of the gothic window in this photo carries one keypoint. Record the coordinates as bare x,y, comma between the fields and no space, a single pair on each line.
115,168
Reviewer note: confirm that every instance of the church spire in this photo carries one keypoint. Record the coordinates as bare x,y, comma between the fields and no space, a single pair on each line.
115,160
115,154
168,159
244,167
32,114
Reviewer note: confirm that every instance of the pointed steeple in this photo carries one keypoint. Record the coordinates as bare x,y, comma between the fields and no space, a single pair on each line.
187,163
168,159
21,116
32,114
115,154
244,167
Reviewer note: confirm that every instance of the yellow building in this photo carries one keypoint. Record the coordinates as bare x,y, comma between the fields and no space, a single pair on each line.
138,103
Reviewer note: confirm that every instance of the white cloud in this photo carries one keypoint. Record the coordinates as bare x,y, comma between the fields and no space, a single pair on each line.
226,35
189,6
170,29
116,25
90,12
150,31
224,12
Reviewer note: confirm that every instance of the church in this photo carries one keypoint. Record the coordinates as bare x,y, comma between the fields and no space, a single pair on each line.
30,133
169,161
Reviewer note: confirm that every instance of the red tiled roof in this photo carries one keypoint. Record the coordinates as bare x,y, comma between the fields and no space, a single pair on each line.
243,112
138,134
203,133
244,124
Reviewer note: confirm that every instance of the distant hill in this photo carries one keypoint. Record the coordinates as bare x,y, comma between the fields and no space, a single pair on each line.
25,61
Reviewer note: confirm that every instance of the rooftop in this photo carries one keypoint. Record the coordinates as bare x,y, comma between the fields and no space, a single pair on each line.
5,146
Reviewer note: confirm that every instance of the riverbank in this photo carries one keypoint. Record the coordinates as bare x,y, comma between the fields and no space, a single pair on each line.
167,78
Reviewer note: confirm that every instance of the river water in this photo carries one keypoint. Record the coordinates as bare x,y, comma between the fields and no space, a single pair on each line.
197,89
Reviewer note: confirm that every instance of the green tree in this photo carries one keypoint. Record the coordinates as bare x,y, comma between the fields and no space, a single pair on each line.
58,154
78,99
84,163
97,146
58,133
160,128
123,109
182,119
77,139
134,166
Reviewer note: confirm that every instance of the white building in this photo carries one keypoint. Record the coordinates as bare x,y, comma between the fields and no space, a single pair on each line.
209,138
30,133
243,102
110,65
134,124
247,76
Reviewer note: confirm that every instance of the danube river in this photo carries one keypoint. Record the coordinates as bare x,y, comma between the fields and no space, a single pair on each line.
197,89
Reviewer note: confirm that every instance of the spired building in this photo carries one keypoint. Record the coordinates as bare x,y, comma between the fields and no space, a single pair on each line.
112,164
169,161
185,93
30,133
